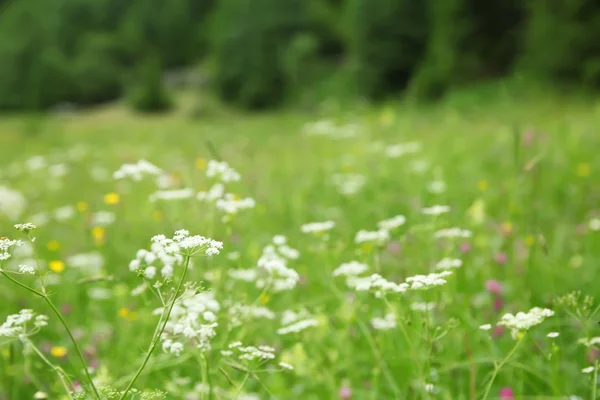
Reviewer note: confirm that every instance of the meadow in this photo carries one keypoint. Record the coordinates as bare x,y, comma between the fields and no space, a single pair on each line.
455,254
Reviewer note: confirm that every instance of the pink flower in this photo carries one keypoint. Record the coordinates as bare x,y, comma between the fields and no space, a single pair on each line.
498,331
345,393
465,247
498,303
593,355
506,394
493,286
501,258
66,309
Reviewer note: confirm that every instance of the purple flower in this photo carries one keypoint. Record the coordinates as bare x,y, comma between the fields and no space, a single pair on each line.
506,394
345,393
498,303
494,287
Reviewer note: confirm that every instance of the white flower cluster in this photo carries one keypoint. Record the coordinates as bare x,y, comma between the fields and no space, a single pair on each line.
379,237
392,223
297,326
25,323
348,184
183,243
452,233
594,224
352,268
449,263
103,218
147,262
424,282
90,263
589,342
523,321
377,284
273,262
241,313
172,194
137,171
422,307
331,129
231,204
193,319
249,353
317,227
384,324
26,227
6,246
222,171
436,210
246,275
12,203
26,269
64,213
400,149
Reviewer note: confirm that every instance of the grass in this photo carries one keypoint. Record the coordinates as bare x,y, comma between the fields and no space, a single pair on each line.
520,172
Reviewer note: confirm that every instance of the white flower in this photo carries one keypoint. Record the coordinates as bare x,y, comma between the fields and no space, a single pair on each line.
452,233
230,204
103,218
287,366
437,187
90,263
183,243
174,194
58,170
384,324
40,395
298,326
436,210
589,342
377,284
348,184
18,325
392,223
448,263
150,272
524,321
485,327
12,203
6,245
222,171
588,370
594,224
64,213
137,171
424,282
246,275
379,237
26,269
26,227
423,307
217,191
240,313
279,240
352,268
553,334
317,227
400,149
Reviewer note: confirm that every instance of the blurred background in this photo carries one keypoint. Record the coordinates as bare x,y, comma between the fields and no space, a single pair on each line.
260,54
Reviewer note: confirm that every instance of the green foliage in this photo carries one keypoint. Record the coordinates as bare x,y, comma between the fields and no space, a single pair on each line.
149,94
250,38
388,43
561,41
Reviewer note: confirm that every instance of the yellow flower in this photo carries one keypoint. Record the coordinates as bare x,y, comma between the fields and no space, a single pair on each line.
506,228
264,298
520,335
112,198
367,248
583,169
124,312
82,206
157,216
201,163
53,245
98,234
56,266
529,240
58,351
482,185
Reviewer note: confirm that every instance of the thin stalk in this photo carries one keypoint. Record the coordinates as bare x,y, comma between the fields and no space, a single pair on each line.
59,371
595,382
498,367
156,337
239,391
64,324
204,377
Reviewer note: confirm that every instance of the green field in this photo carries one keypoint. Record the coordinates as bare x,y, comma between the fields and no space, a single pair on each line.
519,173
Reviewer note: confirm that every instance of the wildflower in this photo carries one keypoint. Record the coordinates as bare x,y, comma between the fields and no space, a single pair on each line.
452,233
183,243
348,184
175,194
317,227
553,335
437,187
91,263
465,247
377,284
298,326
524,321
12,203
222,171
400,149
589,342
506,228
103,218
501,258
112,198
136,171
593,355
494,287
200,163
506,394
53,245
429,387
422,307
345,393
82,206
588,370
482,185
424,282
26,269
435,210
40,395
26,227
378,237
58,351
240,313
64,213
448,263
17,325
352,268
485,327
123,312
386,323
56,266
529,240
392,223
594,224
287,366
498,303
98,234
231,205
6,245
273,266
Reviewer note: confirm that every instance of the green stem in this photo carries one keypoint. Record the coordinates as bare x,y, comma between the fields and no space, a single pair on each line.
59,371
156,337
595,382
64,324
204,377
499,367
239,391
